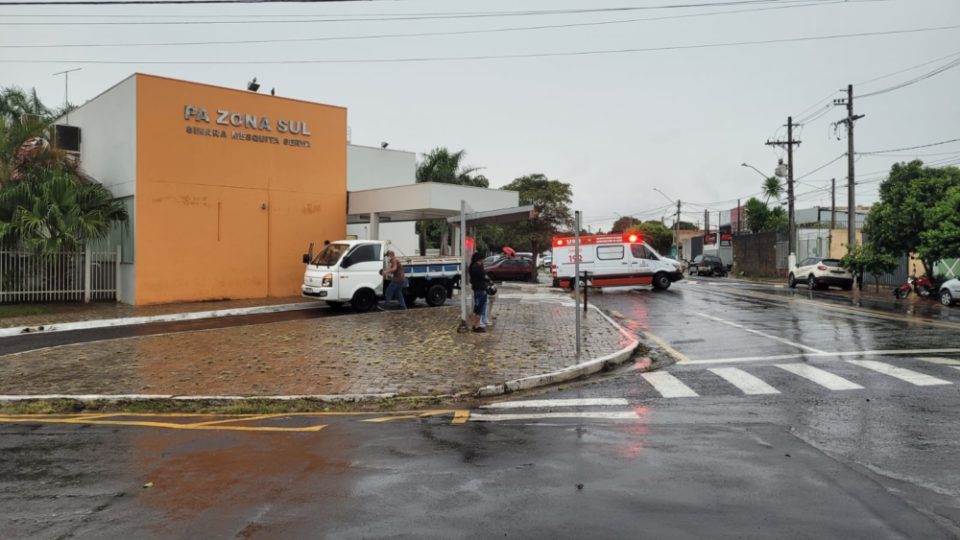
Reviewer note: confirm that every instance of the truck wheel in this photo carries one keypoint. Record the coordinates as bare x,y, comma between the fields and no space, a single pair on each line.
363,300
791,281
436,295
661,282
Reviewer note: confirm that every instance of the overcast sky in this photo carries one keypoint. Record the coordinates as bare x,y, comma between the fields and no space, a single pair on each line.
615,126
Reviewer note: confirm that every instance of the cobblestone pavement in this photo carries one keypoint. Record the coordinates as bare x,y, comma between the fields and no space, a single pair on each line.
417,352
41,314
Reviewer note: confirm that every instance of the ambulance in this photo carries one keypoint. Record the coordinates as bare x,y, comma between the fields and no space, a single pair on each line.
613,260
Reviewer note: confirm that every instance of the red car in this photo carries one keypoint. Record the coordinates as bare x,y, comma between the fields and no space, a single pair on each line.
505,269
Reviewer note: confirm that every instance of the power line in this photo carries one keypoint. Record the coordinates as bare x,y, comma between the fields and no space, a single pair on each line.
911,68
907,148
162,2
401,17
491,56
914,80
825,165
409,35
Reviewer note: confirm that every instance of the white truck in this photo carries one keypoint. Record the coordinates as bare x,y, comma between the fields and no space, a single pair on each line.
613,260
350,271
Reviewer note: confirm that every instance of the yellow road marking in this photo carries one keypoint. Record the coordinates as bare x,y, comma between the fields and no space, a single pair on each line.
241,419
460,417
665,346
409,416
166,425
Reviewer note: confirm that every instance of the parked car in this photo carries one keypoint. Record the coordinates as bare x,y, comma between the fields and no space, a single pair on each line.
491,259
818,273
513,268
546,261
950,292
709,265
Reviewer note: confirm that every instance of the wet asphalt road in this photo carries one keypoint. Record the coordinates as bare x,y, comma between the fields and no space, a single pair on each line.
879,459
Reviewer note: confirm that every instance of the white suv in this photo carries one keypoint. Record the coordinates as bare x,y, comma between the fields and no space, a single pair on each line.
818,273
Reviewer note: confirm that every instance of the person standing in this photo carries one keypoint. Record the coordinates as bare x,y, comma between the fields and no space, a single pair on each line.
478,282
396,276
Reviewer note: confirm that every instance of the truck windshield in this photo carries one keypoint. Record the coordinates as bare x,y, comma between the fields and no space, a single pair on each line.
330,254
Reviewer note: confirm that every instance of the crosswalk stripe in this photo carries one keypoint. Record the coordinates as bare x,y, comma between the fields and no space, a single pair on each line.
547,403
668,385
941,361
908,375
823,378
746,382
594,415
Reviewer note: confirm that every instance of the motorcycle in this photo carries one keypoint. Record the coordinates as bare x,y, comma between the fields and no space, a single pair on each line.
922,286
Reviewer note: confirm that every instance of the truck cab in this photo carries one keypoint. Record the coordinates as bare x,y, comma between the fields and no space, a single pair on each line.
350,271
346,271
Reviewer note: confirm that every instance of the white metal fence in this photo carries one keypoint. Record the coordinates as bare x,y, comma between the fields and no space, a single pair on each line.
91,274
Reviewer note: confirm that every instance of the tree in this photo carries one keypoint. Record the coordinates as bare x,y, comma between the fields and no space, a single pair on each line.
45,203
941,239
868,259
757,215
657,235
551,199
624,224
444,167
687,226
913,212
777,220
772,189
50,209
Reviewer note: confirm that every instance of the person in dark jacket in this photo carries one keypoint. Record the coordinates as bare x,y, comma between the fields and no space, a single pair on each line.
478,282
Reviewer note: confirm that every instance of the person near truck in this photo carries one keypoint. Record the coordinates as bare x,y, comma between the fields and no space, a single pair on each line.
478,282
395,274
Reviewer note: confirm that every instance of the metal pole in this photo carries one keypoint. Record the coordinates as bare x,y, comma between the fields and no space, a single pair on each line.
117,281
86,272
66,92
576,273
791,220
833,204
464,270
851,183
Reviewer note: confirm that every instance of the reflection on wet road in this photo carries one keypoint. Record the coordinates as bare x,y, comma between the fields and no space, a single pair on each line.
788,419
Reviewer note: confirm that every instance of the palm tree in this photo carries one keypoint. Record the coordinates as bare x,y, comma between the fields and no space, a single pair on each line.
772,189
46,204
50,209
444,167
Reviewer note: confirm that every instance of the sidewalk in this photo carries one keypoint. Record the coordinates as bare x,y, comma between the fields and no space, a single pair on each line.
415,352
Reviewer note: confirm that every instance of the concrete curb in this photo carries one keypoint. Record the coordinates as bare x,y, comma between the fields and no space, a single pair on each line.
327,398
171,317
573,372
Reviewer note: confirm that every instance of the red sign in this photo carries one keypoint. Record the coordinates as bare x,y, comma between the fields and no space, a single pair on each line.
726,239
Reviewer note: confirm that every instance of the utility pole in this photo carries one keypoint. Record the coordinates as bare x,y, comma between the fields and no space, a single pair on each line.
789,143
833,204
676,231
739,216
706,221
851,182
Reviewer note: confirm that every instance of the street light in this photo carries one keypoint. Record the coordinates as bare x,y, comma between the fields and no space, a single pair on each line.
754,168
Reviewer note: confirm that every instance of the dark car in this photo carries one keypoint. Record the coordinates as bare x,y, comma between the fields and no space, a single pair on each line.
707,265
516,268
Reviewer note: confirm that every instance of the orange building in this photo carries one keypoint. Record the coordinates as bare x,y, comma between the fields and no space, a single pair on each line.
225,188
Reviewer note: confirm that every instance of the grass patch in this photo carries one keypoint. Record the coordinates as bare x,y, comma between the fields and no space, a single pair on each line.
21,311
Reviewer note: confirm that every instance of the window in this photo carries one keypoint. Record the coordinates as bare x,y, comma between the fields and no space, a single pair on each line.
365,253
330,254
610,253
640,251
